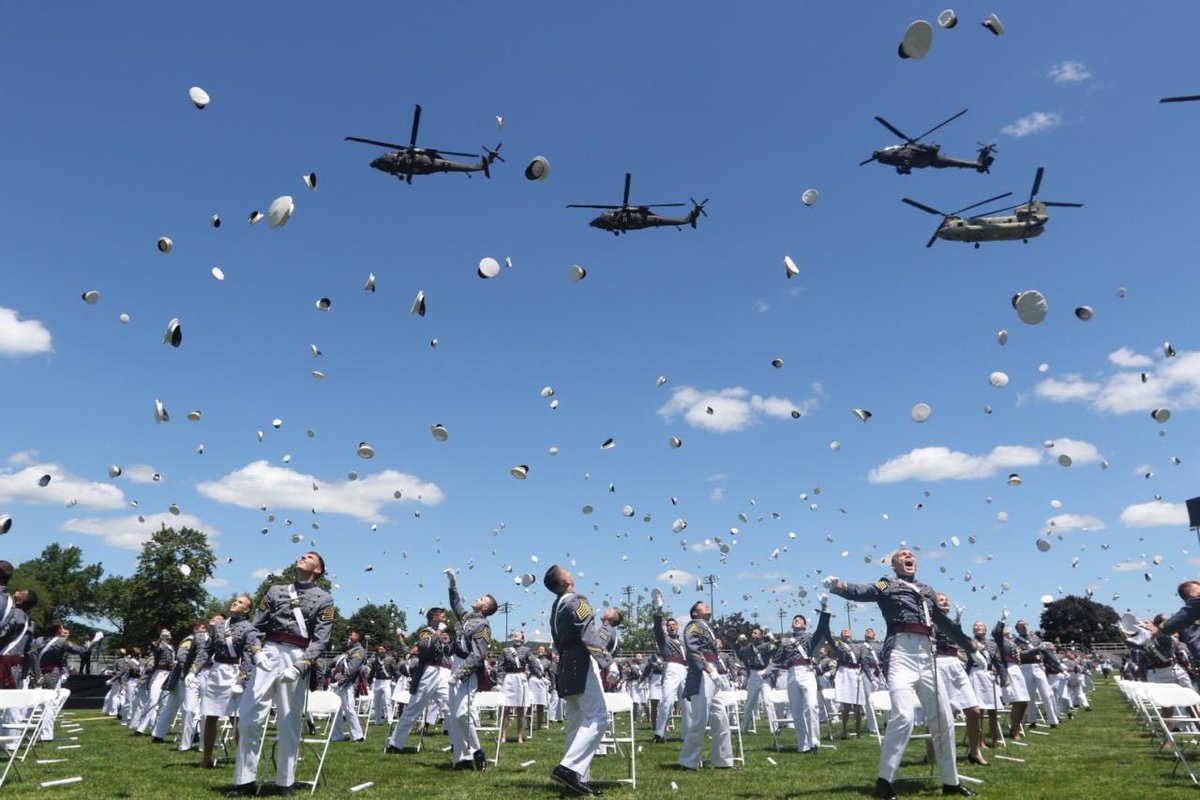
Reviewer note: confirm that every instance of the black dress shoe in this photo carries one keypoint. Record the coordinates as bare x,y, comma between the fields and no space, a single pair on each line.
480,759
285,791
657,739
242,789
157,740
393,751
884,789
958,790
465,764
568,778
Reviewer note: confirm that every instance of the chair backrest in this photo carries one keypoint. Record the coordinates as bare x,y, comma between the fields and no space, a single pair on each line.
618,702
323,703
23,698
730,699
881,700
487,700
777,695
1172,694
828,694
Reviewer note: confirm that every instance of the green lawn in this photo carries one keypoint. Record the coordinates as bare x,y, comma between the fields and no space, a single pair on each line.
1103,754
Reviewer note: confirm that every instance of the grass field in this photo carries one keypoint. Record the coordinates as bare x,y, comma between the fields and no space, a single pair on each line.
1102,754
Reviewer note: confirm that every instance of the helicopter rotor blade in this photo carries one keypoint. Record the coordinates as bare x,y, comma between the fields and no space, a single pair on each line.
589,205
922,206
1183,99
935,127
980,203
934,238
1061,205
893,129
412,140
699,206
868,161
376,142
628,178
659,205
451,153
1037,183
992,212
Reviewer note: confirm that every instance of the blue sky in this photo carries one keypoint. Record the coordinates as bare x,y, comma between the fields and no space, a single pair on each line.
748,108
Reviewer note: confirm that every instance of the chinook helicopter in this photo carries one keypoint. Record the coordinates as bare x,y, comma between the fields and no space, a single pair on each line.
407,160
1028,220
624,218
904,157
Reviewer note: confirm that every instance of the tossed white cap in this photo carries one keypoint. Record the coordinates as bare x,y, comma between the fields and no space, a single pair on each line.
810,196
418,306
538,169
216,220
993,24
1064,460
777,363
488,268
790,266
520,471
280,211
439,432
217,273
369,286
675,442
310,180
124,318
44,481
185,570
174,334
195,414
918,38
5,523
1161,414
165,244
365,450
255,217
862,414
608,444
160,412
1002,336
1084,313
998,379
198,96
1031,306
577,273
1014,479
91,297
114,471
323,304
947,19
920,412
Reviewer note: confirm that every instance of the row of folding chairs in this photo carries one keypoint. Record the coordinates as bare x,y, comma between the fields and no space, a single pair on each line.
21,715
1178,728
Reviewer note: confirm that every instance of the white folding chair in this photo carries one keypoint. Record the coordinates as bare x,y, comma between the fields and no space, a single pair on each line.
485,710
778,697
733,704
323,706
830,706
881,704
620,703
54,700
1187,702
32,702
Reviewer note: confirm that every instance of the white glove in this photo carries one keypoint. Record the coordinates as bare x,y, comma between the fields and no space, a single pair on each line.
1140,637
824,600
721,682
290,675
1004,614
97,636
980,659
191,681
828,581
741,637
261,661
450,572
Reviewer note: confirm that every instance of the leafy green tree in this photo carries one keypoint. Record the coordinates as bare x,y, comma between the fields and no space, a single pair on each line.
159,594
729,627
378,624
69,585
43,613
113,603
1074,619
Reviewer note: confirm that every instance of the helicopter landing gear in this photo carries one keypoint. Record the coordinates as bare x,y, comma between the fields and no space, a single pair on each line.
977,245
1024,241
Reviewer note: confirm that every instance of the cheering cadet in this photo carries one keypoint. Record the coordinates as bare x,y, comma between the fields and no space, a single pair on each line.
582,655
429,684
987,680
911,614
670,650
514,664
796,657
755,653
1016,693
226,668
181,690
1032,660
295,620
161,660
473,636
958,686
704,682
381,672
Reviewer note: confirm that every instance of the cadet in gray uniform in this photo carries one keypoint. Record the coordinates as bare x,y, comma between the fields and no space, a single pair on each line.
988,681
289,632
582,655
1032,659
1185,621
226,666
52,654
161,660
796,656
350,663
182,690
430,678
670,650
539,691
381,673
16,638
755,653
704,682
514,664
116,683
132,680
472,638
911,614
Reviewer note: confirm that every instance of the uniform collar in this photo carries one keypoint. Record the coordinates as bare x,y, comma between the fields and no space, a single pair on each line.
304,584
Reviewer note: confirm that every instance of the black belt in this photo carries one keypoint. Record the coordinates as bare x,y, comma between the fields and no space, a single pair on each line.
948,651
909,627
674,659
287,638
227,659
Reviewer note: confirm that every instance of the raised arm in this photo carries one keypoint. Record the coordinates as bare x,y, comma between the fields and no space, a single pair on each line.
859,592
951,628
456,602
1185,616
660,634
822,634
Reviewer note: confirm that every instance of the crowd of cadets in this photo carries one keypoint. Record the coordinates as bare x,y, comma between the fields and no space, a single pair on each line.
204,675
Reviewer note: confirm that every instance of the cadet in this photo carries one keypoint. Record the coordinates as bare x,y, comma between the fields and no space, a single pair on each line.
539,691
755,653
381,673
473,636
51,653
670,650
704,682
986,680
430,677
227,667
130,695
160,661
582,655
1032,659
16,638
958,686
514,664
909,610
350,664
295,620
1016,694
182,690
796,656
1182,621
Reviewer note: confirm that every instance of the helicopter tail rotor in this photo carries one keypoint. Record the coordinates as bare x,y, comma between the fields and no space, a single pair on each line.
490,156
986,159
697,210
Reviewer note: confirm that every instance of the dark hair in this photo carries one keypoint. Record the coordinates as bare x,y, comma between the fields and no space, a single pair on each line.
491,609
555,579
696,605
6,571
1183,586
31,600
620,616
754,628
801,616
319,558
55,625
435,610
198,623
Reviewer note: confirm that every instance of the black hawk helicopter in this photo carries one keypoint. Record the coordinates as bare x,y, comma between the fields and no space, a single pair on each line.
407,160
904,157
1027,220
624,218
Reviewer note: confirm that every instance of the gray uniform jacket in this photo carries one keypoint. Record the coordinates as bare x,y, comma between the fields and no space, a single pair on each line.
1186,622
515,658
995,663
869,658
905,604
352,664
433,650
700,645
1031,652
51,654
800,648
275,620
381,668
670,648
16,643
473,635
185,657
577,638
755,655
226,644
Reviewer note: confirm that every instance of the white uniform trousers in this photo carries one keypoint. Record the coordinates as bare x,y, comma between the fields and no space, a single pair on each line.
113,700
587,720
756,694
172,701
264,687
151,698
672,691
912,678
706,710
1078,694
432,693
1035,681
191,714
346,712
868,708
128,696
463,717
381,693
802,704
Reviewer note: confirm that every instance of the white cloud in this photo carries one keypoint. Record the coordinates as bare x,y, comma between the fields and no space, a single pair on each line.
942,463
22,337
676,577
22,458
140,473
130,534
762,576
1032,123
262,483
215,581
1071,522
1125,393
1069,72
262,573
1153,514
716,494
23,487
1129,566
733,408
714,478
1067,388
1126,357
761,307
1079,451
705,546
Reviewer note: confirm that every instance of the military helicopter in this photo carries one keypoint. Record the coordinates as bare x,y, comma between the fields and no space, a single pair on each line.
1028,220
904,157
407,160
625,218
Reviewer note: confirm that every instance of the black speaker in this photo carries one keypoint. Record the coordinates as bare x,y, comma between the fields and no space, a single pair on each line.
1193,507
